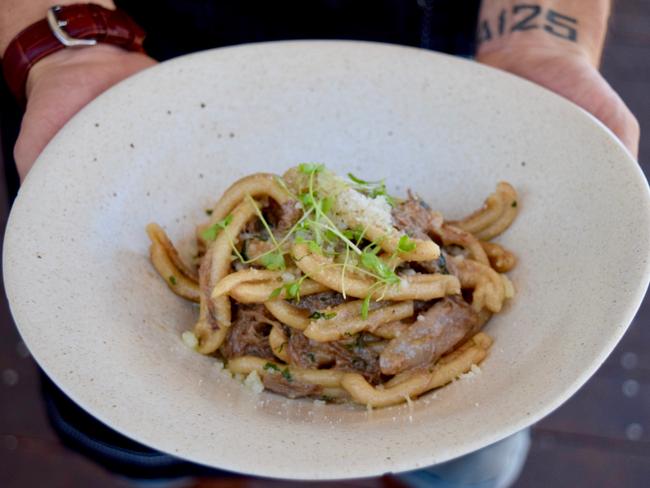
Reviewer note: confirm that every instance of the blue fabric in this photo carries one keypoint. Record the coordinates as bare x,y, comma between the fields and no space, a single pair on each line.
494,466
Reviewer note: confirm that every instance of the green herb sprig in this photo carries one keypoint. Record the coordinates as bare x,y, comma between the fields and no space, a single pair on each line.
211,233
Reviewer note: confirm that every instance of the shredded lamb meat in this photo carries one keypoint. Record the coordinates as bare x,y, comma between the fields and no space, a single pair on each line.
289,387
345,355
249,333
289,215
319,301
433,333
414,217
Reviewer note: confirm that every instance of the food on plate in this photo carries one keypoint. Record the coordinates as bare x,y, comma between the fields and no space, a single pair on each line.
313,285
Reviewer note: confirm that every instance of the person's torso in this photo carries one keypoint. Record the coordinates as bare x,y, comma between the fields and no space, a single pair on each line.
177,27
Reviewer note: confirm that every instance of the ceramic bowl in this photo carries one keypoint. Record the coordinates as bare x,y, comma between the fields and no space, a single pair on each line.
163,145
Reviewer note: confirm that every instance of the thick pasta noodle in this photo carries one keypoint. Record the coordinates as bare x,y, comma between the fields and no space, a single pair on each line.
312,285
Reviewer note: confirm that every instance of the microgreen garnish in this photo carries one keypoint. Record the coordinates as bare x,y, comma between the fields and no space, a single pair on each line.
381,192
316,315
327,202
318,230
272,261
405,244
321,223
291,290
310,168
359,181
263,220
372,189
372,263
276,292
365,306
211,233
314,247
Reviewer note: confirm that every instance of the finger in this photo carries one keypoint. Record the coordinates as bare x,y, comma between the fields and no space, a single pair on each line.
626,127
631,135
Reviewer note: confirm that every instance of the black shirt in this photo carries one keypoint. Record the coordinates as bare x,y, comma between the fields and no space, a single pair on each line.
177,27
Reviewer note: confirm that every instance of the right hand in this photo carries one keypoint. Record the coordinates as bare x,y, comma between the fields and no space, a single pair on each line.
60,85
572,76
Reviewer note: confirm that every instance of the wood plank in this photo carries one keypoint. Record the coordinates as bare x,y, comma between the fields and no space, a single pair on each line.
558,462
27,462
603,409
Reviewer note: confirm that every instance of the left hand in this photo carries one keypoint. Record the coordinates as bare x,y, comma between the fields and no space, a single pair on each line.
572,75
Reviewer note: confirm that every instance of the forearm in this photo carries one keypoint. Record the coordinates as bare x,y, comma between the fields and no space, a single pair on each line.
61,83
15,15
577,26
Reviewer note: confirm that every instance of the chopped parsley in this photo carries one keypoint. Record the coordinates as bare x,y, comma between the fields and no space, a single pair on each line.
322,315
514,204
271,367
172,280
286,374
442,264
208,211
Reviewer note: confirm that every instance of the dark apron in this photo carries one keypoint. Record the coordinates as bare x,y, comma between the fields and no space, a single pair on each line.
179,27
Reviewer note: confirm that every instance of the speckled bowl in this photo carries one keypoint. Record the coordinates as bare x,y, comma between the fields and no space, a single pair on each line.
163,145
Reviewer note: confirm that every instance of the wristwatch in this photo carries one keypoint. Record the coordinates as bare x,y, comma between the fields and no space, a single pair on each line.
67,26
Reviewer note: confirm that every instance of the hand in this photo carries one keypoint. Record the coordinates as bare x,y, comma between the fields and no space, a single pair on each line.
60,85
570,73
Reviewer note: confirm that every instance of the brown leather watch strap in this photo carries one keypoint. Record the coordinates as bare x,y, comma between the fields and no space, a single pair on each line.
78,22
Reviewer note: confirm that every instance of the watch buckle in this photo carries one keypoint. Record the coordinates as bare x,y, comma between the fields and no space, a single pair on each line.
56,26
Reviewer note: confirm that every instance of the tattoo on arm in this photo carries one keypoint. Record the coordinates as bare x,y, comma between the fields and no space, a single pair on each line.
561,26
525,17
525,22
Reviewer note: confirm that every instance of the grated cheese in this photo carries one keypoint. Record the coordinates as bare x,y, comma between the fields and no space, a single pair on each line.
287,277
362,211
352,207
190,339
254,383
472,373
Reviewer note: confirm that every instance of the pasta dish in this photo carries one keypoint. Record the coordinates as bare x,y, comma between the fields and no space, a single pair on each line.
314,285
